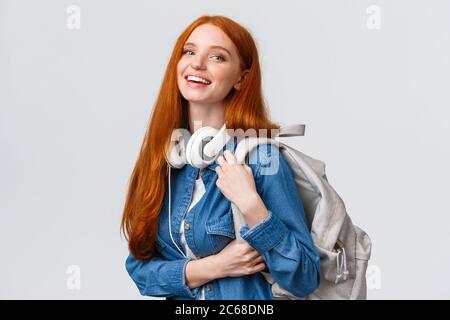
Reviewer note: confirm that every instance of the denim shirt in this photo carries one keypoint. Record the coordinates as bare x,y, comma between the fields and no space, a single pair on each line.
282,238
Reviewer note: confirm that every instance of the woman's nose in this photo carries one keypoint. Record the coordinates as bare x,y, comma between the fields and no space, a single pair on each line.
198,63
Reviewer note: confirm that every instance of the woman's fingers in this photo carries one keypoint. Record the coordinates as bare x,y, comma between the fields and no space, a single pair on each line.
253,255
219,171
259,267
226,159
231,159
246,248
258,260
220,160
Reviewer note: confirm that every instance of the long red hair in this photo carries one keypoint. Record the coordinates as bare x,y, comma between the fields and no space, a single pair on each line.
245,109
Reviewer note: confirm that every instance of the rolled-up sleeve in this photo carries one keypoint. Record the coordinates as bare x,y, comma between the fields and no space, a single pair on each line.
159,277
266,234
283,237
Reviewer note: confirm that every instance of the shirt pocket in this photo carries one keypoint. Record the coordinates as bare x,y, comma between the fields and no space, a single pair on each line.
220,231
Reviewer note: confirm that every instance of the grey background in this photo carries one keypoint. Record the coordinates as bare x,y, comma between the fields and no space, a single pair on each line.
74,105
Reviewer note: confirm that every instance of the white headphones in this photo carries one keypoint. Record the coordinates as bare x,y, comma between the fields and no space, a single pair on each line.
199,150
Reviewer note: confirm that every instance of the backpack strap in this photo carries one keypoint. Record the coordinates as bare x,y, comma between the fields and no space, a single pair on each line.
244,148
292,130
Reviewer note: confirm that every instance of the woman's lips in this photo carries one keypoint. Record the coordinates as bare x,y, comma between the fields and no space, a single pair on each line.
196,84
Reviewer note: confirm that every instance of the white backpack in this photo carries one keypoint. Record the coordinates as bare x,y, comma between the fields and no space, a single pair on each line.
344,248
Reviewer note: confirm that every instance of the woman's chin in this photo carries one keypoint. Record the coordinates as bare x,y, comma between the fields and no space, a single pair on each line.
197,101
197,98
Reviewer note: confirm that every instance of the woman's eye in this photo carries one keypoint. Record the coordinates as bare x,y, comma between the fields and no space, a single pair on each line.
220,58
216,57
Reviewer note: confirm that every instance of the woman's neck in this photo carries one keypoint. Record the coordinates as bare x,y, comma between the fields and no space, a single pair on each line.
206,115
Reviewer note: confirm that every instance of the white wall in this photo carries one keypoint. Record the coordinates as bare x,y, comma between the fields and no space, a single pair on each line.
74,105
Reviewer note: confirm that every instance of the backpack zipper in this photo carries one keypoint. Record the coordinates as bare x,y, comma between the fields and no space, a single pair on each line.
341,263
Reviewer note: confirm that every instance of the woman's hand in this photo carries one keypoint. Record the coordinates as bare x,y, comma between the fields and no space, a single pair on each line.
234,180
238,259
237,184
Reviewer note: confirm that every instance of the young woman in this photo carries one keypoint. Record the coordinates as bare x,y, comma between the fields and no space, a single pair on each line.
213,78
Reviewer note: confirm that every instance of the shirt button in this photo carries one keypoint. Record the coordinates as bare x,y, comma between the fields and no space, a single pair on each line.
187,226
208,287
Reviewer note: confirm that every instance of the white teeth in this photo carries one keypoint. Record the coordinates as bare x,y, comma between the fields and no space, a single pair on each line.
198,79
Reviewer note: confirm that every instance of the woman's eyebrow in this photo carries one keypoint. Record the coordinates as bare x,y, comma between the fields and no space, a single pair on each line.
214,47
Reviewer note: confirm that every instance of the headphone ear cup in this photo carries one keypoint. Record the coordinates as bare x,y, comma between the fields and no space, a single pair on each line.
176,156
194,148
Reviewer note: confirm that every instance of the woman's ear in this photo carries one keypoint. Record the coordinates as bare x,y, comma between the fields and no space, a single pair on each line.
238,84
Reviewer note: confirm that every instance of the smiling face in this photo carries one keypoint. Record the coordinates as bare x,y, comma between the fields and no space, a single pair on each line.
209,66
